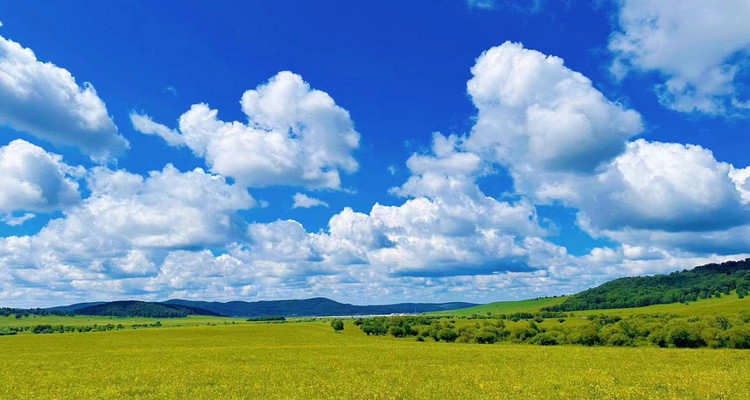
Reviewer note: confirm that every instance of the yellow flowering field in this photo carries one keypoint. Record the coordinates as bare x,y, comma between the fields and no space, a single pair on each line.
308,360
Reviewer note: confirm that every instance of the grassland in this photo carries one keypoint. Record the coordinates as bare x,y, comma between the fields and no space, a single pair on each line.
728,304
504,307
309,360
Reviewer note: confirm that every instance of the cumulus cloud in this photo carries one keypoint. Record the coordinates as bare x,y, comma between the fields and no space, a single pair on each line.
295,135
563,141
664,186
167,209
34,180
535,114
44,100
301,200
698,47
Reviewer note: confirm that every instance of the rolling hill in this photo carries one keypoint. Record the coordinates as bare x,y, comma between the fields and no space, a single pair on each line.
703,282
141,309
315,307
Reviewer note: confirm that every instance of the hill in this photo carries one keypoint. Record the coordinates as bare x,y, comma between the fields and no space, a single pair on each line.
504,307
140,309
315,307
703,282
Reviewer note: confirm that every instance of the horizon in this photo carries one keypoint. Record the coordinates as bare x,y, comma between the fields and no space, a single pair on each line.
431,152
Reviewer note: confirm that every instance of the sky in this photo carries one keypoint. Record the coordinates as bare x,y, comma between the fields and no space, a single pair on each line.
369,152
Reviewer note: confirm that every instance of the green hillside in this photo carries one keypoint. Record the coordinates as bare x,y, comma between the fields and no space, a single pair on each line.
703,282
726,304
505,307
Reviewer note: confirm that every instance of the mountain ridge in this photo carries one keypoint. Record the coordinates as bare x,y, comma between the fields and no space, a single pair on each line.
311,307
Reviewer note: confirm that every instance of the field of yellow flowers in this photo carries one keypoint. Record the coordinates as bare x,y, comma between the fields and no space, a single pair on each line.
308,360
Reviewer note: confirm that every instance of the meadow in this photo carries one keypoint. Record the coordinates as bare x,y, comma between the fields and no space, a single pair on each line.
728,304
309,360
201,357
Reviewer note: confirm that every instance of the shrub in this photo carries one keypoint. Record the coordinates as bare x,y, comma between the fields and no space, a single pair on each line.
337,325
585,335
684,335
739,337
550,338
447,334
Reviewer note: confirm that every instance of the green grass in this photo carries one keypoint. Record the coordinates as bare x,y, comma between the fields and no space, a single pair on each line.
309,360
504,307
726,304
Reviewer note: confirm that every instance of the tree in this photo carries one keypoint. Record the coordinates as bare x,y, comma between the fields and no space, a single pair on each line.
337,325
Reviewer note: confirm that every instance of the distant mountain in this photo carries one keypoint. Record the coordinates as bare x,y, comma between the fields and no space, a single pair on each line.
314,307
706,281
140,309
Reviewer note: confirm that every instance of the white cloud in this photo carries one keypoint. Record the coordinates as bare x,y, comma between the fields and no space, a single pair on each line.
17,221
699,47
535,114
168,209
44,100
301,200
34,180
481,4
562,141
144,124
295,135
663,186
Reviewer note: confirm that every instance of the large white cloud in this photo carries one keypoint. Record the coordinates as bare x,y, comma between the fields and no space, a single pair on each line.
663,186
44,100
168,209
562,141
35,180
699,47
536,114
295,135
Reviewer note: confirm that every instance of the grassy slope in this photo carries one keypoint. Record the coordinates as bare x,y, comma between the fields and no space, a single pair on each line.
504,307
725,304
309,360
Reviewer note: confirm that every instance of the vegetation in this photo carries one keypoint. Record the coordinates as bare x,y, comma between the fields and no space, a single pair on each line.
270,318
20,312
503,307
337,325
707,281
307,360
726,326
128,309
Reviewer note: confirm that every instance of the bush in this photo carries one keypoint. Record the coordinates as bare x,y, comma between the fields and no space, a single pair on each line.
337,325
550,338
447,334
739,337
585,335
684,335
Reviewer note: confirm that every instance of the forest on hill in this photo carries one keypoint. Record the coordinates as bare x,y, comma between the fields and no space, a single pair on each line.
128,309
703,282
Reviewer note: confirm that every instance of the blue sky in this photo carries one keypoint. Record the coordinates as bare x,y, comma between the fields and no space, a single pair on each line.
578,141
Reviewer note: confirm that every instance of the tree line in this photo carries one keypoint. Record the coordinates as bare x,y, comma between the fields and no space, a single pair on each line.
707,281
663,330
